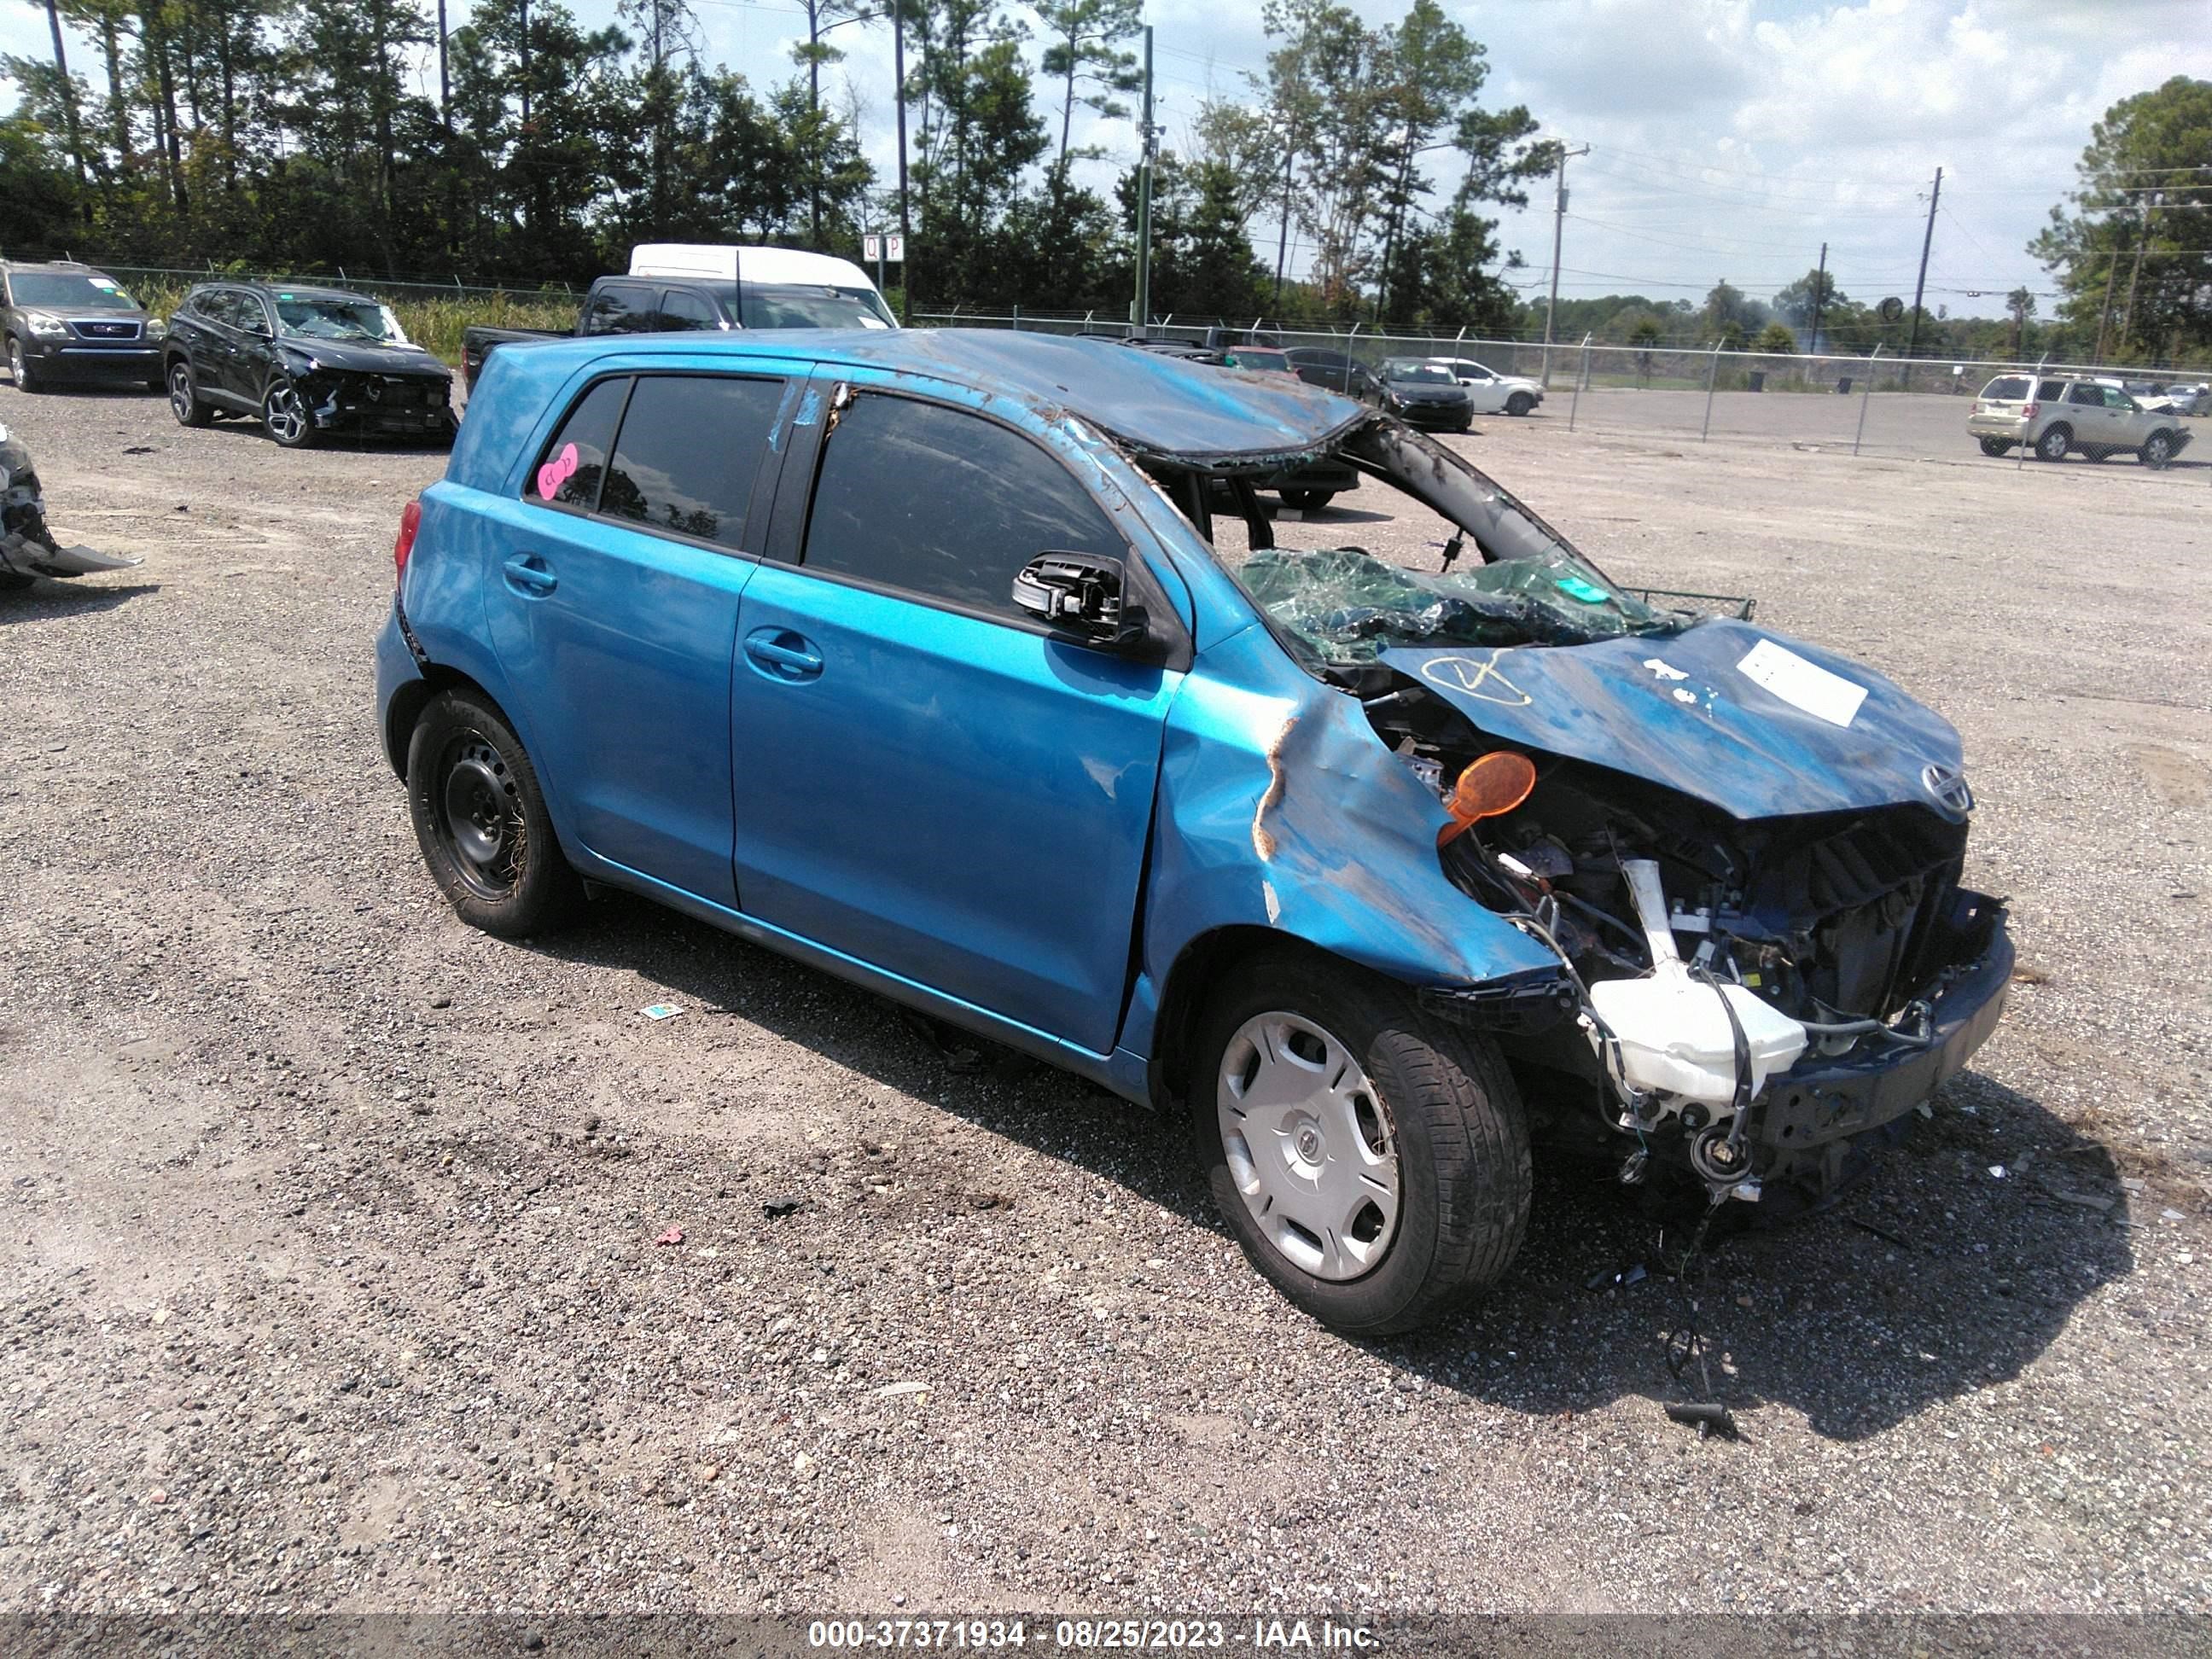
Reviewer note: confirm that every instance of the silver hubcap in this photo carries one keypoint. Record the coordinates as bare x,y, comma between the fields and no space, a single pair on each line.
180,392
1309,1144
287,416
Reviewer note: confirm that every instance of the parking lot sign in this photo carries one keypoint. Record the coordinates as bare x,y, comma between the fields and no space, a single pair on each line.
872,247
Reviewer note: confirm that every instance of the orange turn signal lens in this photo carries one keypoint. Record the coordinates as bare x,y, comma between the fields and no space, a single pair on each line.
1492,785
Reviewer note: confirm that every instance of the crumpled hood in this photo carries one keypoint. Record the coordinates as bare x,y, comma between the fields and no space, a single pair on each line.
1750,721
354,359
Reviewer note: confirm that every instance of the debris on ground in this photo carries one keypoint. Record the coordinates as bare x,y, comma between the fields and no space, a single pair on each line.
673,1235
660,1010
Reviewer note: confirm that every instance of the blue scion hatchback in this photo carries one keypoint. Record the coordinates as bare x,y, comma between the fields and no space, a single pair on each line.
1382,875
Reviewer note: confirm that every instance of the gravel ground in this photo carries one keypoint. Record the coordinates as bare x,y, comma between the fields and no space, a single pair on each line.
334,1270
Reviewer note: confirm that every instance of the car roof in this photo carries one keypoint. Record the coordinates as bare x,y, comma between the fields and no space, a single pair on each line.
297,291
1188,412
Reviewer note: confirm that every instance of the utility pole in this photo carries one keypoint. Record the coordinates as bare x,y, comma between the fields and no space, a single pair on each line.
444,84
2135,271
1820,296
1920,287
1559,227
1283,237
526,63
898,98
1143,314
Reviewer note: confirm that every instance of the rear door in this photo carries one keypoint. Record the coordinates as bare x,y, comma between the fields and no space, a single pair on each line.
613,606
930,781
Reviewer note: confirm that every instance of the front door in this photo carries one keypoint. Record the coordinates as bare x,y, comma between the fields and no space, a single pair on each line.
613,607
928,780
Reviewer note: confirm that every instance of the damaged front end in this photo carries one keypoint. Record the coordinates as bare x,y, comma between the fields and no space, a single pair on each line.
1744,853
28,548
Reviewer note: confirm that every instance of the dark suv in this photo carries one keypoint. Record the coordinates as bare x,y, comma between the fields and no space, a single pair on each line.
65,321
304,360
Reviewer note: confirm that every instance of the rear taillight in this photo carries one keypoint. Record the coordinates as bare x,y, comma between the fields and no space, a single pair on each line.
410,520
2031,410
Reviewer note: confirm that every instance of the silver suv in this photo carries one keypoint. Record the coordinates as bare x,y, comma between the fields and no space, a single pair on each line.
2063,413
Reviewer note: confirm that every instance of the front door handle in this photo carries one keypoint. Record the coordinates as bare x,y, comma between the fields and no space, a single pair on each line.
780,654
527,575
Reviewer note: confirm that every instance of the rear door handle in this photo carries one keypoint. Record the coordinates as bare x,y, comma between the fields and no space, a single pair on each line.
527,575
780,654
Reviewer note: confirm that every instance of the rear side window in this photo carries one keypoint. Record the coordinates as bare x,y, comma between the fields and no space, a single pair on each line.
690,447
2048,390
2007,388
619,309
569,471
944,505
680,311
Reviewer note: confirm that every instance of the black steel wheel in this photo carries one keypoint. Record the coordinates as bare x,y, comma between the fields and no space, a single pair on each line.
1308,500
481,820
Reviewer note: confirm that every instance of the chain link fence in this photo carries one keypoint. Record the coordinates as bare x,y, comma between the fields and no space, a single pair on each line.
1877,406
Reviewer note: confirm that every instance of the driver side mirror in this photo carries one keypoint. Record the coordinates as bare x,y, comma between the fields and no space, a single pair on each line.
1081,593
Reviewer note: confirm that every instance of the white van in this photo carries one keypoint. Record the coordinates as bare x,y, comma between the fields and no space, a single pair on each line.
771,287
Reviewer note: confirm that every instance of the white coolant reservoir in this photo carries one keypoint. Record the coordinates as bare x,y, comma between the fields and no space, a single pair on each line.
1674,1035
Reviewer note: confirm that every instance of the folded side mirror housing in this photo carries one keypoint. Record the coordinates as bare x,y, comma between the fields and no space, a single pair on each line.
1084,594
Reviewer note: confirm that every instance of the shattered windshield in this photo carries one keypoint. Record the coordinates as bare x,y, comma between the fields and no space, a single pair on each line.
357,322
1459,560
1347,606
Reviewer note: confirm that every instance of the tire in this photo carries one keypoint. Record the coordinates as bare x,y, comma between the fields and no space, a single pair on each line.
1436,1099
1519,404
1308,500
20,367
502,870
2053,444
1996,446
15,581
185,396
284,412
2157,450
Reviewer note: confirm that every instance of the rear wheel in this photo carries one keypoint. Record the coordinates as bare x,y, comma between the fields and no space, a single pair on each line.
20,367
1308,501
2053,445
1373,1161
481,820
2157,450
1519,403
185,397
1996,446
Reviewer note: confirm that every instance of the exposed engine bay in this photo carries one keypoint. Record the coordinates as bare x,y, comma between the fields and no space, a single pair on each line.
1709,958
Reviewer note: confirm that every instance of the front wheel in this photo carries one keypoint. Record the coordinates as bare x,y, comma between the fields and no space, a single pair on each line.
2157,450
481,820
284,412
185,397
1519,404
1308,501
2053,445
1373,1161
20,367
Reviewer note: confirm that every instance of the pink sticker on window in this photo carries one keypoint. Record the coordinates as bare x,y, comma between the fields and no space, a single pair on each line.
557,472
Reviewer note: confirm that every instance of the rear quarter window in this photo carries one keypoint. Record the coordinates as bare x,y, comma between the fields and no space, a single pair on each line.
569,471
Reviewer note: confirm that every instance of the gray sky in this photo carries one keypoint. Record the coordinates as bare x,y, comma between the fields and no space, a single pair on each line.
1728,137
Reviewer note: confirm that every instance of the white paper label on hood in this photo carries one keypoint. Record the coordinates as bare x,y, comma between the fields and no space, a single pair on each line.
1803,684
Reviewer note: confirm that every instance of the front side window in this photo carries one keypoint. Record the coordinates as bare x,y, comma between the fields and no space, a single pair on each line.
2116,399
690,449
944,505
2082,393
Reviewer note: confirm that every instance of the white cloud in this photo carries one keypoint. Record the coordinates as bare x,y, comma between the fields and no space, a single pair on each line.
1728,137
